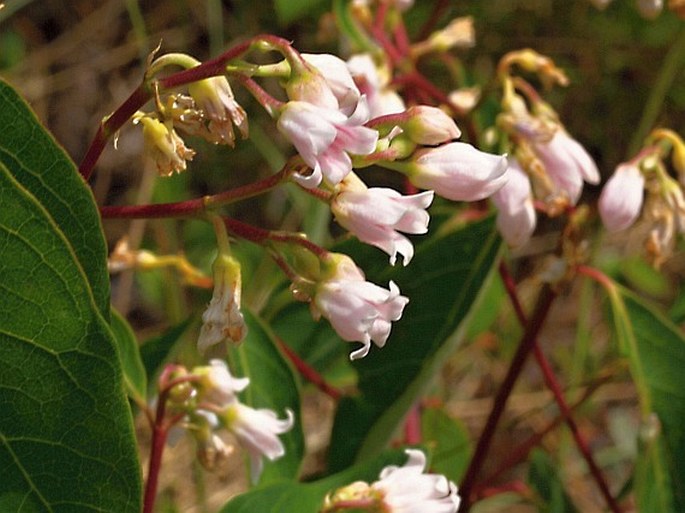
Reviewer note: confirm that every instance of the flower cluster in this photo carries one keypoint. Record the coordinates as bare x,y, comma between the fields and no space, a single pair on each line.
340,116
546,163
663,214
405,489
207,396
209,110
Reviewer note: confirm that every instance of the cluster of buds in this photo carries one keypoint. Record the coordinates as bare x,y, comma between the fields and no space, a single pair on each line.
545,163
205,399
402,489
663,214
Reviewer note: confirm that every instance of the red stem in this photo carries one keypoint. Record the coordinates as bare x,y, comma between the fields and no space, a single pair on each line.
545,300
412,426
520,453
143,93
159,435
555,388
401,37
308,372
110,125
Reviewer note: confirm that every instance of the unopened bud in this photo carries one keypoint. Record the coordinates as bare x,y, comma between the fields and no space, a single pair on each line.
429,126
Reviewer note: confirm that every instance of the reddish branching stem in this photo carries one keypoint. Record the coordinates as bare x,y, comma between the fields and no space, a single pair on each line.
554,386
544,303
144,93
308,372
520,453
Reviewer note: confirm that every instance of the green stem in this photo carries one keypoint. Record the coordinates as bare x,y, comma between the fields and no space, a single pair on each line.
673,64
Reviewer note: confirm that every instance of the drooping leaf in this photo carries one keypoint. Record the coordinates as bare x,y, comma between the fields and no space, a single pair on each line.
135,378
273,386
443,283
66,435
309,497
448,441
36,161
655,349
545,480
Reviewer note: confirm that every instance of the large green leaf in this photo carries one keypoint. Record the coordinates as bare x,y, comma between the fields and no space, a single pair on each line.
66,435
273,386
443,283
309,497
36,161
655,349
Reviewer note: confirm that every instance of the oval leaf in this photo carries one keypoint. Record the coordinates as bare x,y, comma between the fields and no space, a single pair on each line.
41,166
66,435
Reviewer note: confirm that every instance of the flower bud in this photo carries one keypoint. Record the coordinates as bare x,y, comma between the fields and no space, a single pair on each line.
516,217
429,126
457,171
621,199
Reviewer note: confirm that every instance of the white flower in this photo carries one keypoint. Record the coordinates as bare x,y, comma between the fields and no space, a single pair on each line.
407,489
567,163
377,215
357,309
516,217
325,138
334,70
164,146
621,199
216,384
373,84
458,171
215,99
257,430
223,319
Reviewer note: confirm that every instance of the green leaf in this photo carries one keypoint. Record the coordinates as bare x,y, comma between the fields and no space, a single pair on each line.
288,11
443,283
36,161
545,480
449,443
655,349
66,435
273,386
309,497
156,350
131,362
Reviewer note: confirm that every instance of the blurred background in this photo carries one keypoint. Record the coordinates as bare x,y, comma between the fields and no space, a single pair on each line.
76,61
